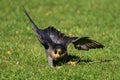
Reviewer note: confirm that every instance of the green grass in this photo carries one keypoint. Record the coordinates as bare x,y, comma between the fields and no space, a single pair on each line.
22,57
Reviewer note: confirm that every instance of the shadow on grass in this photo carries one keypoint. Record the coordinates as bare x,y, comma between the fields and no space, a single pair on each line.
77,60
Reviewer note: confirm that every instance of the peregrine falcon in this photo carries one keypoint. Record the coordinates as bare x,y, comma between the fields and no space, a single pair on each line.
56,43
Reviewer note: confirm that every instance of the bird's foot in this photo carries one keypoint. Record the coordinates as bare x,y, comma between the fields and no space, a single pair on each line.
73,63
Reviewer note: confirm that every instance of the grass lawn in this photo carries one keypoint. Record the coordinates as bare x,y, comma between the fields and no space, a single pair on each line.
22,57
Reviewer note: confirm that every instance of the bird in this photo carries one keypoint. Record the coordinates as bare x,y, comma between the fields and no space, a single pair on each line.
56,43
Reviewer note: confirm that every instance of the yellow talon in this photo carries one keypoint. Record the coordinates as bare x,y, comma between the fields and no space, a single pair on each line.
72,63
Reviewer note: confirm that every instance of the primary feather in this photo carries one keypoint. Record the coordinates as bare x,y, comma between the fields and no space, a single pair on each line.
85,43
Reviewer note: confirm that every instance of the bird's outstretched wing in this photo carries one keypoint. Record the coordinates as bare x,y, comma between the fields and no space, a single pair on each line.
58,37
85,43
41,34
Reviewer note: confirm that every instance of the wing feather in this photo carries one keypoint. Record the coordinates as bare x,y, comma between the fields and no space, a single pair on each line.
57,37
85,44
41,35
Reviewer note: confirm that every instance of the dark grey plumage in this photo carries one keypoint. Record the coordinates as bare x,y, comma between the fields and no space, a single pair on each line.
55,42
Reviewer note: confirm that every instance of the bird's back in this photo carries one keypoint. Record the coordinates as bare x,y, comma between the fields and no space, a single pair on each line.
55,35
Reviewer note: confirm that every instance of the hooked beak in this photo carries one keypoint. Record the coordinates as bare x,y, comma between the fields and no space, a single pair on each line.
59,51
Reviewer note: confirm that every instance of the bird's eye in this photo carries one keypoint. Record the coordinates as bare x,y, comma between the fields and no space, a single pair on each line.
55,51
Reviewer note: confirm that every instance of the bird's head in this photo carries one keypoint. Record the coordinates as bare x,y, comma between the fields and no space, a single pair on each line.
59,52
